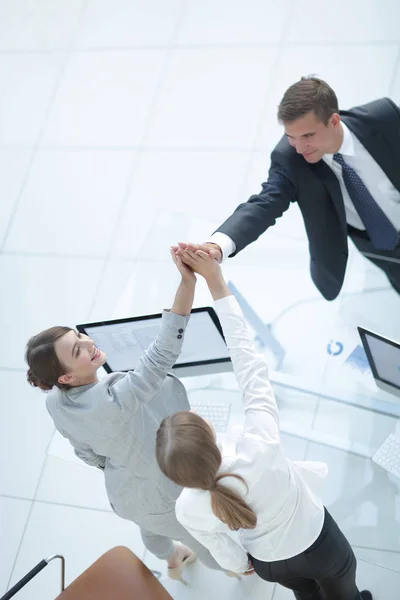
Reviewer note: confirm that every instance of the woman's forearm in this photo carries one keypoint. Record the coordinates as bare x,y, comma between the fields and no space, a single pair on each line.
218,287
184,299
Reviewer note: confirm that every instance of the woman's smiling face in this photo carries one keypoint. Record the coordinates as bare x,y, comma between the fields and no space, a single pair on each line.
79,357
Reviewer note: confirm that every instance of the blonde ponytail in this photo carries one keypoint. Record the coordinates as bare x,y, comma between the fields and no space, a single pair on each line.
188,455
229,506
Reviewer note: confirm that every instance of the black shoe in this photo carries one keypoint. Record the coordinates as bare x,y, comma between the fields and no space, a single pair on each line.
366,595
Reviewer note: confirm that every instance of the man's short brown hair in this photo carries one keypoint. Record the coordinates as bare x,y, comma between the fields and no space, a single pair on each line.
310,94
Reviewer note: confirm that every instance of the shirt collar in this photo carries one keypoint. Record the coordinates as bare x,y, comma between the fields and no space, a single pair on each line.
346,148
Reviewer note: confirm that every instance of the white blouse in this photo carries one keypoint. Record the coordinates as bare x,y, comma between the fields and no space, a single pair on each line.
285,495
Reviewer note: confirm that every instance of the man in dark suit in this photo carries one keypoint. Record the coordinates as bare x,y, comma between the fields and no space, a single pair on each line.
343,170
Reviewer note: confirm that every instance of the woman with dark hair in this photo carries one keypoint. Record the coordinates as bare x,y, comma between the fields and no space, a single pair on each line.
112,422
286,535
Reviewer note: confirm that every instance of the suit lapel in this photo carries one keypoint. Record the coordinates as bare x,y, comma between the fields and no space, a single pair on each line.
329,179
378,148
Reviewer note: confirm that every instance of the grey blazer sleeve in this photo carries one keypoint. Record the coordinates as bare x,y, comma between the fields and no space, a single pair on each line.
145,381
84,452
253,217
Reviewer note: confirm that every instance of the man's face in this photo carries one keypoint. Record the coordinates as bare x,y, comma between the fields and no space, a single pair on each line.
312,139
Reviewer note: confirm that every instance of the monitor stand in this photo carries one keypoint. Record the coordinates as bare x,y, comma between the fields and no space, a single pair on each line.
264,335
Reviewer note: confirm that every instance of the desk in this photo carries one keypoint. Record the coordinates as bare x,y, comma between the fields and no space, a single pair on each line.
315,391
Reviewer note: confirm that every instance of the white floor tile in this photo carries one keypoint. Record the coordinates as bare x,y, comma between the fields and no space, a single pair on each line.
363,428
370,315
134,228
273,288
257,172
37,293
193,184
14,514
61,448
382,558
113,286
13,166
212,98
154,563
26,86
296,414
214,22
164,229
291,224
159,279
357,77
383,583
362,497
64,482
89,187
26,430
80,535
44,26
104,99
395,95
282,593
203,583
259,255
271,131
360,21
127,23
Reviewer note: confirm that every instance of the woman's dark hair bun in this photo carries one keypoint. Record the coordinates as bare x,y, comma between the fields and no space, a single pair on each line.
44,366
36,382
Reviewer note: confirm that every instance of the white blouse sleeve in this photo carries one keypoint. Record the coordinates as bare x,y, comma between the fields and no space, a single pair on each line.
209,531
251,371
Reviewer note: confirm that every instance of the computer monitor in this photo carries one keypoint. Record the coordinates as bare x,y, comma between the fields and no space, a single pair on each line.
124,341
384,359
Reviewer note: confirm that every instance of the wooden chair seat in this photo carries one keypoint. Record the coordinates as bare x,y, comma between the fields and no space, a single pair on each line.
116,575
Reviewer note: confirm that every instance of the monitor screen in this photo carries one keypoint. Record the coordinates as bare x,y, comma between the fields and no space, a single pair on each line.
125,340
384,357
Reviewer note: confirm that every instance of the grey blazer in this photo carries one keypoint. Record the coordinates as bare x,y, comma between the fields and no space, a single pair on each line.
112,424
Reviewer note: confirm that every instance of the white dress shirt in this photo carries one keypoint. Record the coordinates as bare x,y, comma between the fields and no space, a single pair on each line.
371,174
284,495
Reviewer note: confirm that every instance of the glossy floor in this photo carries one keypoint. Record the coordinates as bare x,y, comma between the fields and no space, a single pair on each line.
124,127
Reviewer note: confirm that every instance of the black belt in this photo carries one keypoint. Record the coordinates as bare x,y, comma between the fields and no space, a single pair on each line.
360,232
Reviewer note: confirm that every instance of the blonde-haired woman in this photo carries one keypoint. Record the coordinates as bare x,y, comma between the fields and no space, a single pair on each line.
286,534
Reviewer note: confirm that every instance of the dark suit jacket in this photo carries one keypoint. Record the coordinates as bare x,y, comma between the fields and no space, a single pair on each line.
317,191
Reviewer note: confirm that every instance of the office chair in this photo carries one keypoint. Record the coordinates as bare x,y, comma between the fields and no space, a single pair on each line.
116,574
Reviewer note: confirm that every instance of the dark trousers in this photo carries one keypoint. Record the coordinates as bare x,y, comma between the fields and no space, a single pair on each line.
388,261
325,571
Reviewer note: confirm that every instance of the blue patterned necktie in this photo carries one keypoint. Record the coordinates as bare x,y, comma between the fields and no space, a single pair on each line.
380,229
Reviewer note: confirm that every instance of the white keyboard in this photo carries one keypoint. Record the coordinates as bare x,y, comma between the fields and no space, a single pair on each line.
388,455
217,413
